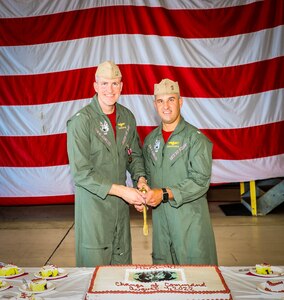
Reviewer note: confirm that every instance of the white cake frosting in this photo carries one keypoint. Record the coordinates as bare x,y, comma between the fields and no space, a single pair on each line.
150,282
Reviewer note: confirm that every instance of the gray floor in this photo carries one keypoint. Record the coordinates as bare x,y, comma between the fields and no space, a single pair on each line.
33,235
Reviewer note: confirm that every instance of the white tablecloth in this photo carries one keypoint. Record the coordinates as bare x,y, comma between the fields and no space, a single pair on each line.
243,286
75,285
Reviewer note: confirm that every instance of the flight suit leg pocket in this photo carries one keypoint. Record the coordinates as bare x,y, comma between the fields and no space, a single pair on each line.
159,259
96,255
121,256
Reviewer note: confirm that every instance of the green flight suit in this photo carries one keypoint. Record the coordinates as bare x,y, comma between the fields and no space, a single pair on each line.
97,160
182,230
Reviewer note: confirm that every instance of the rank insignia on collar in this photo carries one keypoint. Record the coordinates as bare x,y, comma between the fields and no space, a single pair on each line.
104,127
157,145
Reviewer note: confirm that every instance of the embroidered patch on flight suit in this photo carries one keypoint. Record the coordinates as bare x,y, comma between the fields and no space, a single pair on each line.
129,153
172,144
125,134
178,151
121,125
104,127
103,137
157,145
152,151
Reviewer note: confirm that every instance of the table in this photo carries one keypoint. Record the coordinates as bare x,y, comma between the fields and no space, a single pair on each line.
243,286
72,287
75,285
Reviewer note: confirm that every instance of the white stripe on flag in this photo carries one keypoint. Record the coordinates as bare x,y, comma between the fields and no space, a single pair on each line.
41,181
247,170
29,120
12,8
204,113
56,180
142,49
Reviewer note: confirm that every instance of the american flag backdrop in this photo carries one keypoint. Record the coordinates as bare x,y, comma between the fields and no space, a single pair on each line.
228,57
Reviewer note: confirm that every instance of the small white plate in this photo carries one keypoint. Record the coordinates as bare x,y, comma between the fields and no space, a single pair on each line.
261,288
61,273
36,297
20,272
49,287
276,272
5,286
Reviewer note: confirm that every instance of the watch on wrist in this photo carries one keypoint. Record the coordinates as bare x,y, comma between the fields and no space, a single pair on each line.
165,195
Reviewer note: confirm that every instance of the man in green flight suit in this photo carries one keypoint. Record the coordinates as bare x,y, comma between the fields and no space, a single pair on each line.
178,161
102,144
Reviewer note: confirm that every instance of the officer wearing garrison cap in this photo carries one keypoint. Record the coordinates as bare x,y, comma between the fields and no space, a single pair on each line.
178,160
102,144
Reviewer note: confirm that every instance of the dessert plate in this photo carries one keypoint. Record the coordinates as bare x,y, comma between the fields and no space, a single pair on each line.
18,295
49,287
20,272
276,272
5,286
61,273
261,288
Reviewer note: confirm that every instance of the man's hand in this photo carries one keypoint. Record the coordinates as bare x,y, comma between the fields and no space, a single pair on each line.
154,197
129,194
139,207
142,184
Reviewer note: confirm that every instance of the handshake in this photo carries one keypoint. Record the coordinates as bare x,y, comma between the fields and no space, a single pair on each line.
151,197
142,196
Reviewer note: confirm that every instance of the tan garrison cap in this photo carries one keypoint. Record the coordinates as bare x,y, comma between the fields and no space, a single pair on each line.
108,70
166,86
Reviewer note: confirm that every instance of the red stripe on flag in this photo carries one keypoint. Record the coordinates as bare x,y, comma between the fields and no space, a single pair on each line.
233,144
43,200
194,82
50,88
33,151
185,23
247,143
143,131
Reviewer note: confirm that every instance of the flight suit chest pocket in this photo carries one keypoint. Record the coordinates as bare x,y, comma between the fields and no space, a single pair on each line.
177,153
99,138
100,153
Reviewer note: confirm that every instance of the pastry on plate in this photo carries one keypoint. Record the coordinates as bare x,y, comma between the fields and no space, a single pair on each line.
49,271
38,285
263,269
9,270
